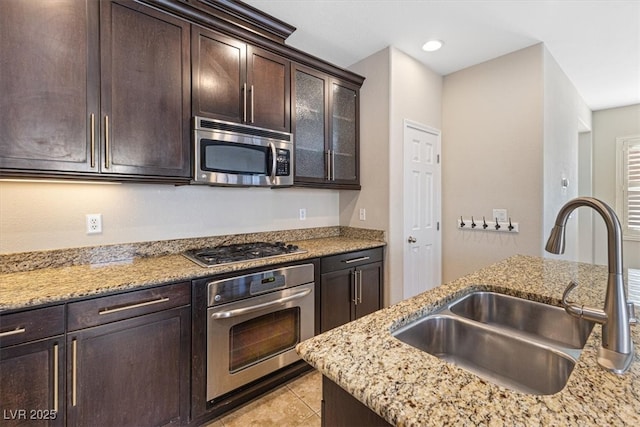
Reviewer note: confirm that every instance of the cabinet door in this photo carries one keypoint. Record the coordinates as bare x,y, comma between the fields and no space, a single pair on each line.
31,385
268,79
130,373
369,290
336,294
145,91
219,76
344,133
49,85
310,125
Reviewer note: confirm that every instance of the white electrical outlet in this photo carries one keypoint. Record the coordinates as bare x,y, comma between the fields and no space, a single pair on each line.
363,214
303,214
94,223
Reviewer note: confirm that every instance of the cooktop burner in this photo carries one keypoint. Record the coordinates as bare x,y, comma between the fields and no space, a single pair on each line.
219,255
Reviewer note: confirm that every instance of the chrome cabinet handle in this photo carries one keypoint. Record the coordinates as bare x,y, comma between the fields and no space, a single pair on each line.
252,115
74,372
333,165
349,261
16,331
355,287
328,165
107,149
55,377
132,306
245,310
92,123
244,92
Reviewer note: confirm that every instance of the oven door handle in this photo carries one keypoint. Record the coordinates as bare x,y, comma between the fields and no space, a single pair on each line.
257,307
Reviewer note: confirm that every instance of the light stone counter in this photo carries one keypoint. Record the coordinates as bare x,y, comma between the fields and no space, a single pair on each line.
51,284
408,387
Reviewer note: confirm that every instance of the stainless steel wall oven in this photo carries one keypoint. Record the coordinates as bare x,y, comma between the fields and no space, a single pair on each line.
254,322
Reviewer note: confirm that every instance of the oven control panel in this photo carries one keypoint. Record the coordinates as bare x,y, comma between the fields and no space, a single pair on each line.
237,288
266,284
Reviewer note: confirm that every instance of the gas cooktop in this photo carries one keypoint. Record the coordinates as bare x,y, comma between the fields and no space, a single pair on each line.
230,254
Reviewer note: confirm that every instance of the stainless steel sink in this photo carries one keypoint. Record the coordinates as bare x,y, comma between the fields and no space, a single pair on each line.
543,321
496,357
519,344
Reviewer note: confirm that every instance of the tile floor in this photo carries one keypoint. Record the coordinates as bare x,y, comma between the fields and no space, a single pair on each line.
294,404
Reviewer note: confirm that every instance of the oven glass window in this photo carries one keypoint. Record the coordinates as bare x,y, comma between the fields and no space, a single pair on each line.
236,158
262,337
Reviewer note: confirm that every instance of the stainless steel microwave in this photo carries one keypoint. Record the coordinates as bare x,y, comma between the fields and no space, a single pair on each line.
232,154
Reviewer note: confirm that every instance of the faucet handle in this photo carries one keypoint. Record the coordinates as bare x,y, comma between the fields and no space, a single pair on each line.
570,307
632,313
580,311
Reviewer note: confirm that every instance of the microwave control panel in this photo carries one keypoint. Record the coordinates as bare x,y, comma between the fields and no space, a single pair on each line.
283,162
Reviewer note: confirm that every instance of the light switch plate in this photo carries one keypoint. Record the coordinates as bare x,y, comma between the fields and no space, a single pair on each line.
500,214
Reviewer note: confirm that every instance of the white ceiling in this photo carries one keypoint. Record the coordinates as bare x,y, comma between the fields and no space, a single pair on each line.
595,42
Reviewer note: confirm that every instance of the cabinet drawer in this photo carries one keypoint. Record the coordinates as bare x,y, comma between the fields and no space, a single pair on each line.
98,311
350,259
17,328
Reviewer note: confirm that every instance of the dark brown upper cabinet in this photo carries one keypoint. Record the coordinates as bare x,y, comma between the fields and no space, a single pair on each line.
237,82
49,80
97,89
325,124
145,88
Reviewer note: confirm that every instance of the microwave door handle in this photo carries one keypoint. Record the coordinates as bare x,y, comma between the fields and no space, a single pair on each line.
273,162
240,311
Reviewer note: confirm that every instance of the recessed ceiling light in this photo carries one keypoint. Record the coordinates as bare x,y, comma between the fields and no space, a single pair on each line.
432,45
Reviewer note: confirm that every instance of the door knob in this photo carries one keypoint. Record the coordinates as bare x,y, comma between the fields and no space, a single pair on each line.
411,239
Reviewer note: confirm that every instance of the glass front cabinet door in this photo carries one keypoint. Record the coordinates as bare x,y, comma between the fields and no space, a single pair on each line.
325,124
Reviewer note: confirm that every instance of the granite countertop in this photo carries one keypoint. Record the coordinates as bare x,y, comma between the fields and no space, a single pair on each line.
408,387
24,289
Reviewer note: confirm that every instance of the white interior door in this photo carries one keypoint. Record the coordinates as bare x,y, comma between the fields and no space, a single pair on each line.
422,249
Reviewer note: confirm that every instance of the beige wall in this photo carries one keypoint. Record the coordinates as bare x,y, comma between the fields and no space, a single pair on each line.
565,115
492,145
510,135
607,126
397,87
374,147
41,216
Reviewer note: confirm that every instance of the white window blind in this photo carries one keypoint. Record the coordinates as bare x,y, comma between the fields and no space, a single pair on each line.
629,189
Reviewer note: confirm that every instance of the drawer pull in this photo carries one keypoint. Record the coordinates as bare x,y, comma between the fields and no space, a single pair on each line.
132,306
349,261
16,331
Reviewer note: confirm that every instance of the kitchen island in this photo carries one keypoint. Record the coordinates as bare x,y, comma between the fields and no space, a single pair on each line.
408,387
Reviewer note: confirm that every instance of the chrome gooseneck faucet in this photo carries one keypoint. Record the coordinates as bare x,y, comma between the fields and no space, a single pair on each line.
616,352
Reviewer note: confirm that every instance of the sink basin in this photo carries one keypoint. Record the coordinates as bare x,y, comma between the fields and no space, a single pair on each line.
519,344
543,321
499,358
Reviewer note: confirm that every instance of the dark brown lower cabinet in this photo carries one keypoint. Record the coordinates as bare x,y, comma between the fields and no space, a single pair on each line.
130,373
340,409
32,367
31,386
351,286
128,358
